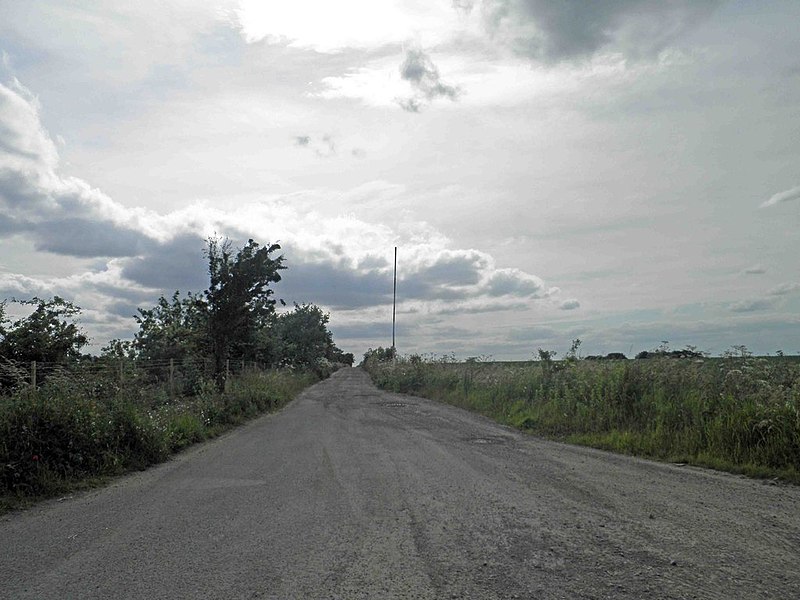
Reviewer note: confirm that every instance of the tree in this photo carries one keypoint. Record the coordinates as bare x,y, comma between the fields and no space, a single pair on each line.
302,338
240,303
48,334
117,349
172,329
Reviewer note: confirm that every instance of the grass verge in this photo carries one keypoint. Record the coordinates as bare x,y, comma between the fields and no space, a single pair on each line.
62,437
736,414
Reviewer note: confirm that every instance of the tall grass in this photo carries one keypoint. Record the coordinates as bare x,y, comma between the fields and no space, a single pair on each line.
74,428
738,414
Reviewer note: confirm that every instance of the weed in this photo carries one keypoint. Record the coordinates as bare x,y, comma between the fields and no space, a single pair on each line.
740,413
74,429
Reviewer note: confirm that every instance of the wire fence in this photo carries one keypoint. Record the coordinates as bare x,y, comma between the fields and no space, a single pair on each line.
180,376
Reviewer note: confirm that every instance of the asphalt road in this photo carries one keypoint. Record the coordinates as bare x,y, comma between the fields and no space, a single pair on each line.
350,492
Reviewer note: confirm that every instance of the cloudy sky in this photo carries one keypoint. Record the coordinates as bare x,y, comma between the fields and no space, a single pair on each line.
620,171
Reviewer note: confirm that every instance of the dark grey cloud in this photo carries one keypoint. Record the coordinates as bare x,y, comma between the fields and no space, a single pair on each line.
454,276
451,277
11,225
62,215
454,270
576,29
418,69
58,220
511,282
126,309
18,189
334,284
87,238
373,262
571,304
175,264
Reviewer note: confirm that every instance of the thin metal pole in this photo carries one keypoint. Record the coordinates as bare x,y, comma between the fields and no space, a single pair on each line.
394,297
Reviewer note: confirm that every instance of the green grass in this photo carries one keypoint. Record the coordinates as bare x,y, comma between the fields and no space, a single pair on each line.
735,414
65,435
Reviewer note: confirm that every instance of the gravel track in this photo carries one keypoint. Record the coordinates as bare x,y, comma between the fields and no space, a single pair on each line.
352,493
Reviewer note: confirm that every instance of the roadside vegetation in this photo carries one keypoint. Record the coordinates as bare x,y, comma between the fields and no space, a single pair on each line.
738,412
199,364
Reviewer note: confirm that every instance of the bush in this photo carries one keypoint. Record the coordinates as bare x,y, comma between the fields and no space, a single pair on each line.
67,431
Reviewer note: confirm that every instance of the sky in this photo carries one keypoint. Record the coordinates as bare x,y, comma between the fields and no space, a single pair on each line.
623,172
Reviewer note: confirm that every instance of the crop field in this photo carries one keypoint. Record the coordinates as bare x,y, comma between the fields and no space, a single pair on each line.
740,414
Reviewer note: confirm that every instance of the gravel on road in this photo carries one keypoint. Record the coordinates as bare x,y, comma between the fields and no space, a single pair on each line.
351,492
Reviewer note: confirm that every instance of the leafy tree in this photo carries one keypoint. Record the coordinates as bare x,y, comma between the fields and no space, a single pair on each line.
174,328
240,303
118,349
48,334
303,339
344,358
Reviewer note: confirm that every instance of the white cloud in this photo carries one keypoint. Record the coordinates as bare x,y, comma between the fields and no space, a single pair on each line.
338,261
335,26
478,81
535,29
789,195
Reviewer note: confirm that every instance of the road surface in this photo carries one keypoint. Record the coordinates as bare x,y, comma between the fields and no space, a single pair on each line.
351,492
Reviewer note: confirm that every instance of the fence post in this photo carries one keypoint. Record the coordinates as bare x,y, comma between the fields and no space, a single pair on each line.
171,376
33,374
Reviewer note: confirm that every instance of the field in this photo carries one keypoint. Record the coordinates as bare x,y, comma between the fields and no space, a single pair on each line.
740,414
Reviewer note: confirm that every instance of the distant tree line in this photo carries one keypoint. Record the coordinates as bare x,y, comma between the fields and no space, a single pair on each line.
234,319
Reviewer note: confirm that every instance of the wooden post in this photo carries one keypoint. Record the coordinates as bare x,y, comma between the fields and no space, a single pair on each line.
171,377
33,374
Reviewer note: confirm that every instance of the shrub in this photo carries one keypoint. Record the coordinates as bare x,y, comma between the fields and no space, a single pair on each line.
79,427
